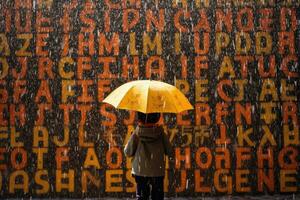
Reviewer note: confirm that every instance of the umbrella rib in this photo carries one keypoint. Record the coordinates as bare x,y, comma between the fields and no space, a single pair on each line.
122,99
147,97
115,93
173,103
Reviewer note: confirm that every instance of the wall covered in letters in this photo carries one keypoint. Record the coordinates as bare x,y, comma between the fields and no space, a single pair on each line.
236,61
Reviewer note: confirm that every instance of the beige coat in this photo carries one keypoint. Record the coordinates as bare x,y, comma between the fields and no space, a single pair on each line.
148,145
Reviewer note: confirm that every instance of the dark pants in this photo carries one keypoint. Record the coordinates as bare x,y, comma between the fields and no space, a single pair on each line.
147,185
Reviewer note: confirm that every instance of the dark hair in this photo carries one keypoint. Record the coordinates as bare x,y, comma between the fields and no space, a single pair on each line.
148,118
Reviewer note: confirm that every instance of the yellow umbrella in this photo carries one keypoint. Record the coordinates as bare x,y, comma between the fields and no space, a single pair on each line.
148,96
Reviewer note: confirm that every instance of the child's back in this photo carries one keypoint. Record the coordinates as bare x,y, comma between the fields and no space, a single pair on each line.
148,146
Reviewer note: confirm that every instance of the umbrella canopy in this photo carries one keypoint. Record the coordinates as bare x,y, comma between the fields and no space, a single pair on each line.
148,96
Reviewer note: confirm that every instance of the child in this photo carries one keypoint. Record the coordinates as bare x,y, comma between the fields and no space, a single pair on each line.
148,145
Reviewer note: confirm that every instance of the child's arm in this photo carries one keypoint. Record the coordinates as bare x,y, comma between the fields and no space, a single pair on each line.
131,145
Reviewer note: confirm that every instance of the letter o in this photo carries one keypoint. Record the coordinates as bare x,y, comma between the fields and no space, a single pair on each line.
13,157
207,164
109,155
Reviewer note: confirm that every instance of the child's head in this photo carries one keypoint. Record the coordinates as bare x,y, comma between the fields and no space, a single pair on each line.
150,118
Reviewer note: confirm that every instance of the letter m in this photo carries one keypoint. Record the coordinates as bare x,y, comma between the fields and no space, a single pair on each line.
109,45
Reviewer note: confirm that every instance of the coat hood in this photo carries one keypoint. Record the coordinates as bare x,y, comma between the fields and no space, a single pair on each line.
149,133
